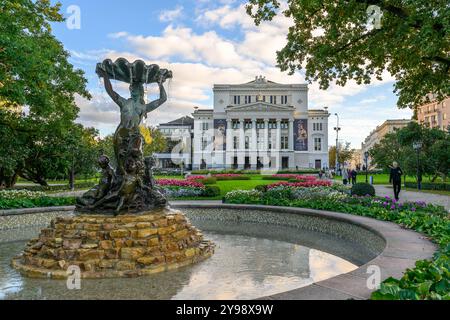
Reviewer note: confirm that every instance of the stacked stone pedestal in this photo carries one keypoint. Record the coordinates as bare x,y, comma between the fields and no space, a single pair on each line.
107,247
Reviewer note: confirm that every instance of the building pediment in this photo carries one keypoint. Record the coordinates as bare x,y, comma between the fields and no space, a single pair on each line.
261,107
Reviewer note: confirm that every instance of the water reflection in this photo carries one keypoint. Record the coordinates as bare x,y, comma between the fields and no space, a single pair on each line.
243,267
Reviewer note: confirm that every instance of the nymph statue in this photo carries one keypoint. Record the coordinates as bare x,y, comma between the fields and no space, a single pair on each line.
129,190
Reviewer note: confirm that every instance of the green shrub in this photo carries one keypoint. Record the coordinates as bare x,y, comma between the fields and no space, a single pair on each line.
35,202
55,188
363,189
211,191
232,178
208,181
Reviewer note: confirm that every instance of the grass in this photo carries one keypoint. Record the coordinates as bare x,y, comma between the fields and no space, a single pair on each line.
381,178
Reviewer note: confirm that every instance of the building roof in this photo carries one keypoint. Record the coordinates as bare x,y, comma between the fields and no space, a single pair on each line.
183,121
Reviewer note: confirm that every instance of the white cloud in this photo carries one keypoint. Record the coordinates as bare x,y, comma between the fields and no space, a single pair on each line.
201,59
171,15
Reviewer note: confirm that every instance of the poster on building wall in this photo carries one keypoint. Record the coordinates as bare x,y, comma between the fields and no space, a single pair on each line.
220,133
301,135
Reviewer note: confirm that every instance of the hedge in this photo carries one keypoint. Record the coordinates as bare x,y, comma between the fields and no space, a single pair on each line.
81,185
429,186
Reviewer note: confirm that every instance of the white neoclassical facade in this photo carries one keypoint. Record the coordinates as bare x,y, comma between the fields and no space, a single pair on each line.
260,125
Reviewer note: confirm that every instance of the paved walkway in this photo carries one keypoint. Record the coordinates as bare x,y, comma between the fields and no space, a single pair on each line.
437,199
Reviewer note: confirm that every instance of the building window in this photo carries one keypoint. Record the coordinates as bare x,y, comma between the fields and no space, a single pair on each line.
237,99
247,142
235,143
272,124
270,142
317,126
248,124
205,126
260,125
204,143
284,99
248,99
318,144
273,99
236,124
284,125
284,143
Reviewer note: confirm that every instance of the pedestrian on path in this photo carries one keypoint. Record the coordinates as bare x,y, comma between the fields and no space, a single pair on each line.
396,179
345,175
354,175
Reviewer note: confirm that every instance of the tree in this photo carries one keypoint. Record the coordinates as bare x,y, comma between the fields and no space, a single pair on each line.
333,41
345,154
37,91
398,146
155,141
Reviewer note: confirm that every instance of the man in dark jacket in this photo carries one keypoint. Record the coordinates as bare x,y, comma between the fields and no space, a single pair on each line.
396,179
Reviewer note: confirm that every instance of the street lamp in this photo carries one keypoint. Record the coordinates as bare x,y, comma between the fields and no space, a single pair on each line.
417,146
366,161
337,129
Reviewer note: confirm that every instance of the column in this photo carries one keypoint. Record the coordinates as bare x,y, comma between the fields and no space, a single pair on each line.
230,133
229,140
266,134
291,134
278,136
254,145
241,134
241,154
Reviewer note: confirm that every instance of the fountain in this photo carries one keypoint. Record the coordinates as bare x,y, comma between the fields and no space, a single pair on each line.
124,226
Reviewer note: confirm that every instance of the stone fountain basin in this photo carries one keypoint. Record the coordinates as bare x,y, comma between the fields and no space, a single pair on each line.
369,244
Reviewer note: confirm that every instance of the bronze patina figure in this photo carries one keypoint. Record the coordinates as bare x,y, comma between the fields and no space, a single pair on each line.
129,189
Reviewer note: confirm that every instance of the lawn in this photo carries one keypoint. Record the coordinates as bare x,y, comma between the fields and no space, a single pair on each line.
381,178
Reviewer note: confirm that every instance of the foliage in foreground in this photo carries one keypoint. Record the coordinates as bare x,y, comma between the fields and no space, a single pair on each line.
21,203
428,280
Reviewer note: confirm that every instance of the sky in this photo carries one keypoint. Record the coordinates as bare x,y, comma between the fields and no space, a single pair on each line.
203,42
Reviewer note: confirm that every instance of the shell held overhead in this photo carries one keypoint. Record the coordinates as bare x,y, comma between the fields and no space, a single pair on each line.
132,72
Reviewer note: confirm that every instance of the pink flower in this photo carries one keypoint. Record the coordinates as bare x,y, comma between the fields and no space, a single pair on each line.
180,183
195,177
227,175
310,183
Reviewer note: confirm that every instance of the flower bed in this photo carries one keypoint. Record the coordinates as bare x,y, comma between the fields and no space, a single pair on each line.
174,188
179,183
17,199
301,184
430,279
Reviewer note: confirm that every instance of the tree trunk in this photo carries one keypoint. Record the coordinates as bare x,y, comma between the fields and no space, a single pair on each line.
72,179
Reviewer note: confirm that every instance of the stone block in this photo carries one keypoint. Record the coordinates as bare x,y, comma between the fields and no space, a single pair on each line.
145,233
106,244
131,253
88,254
119,233
153,242
72,244
143,225
147,260
125,265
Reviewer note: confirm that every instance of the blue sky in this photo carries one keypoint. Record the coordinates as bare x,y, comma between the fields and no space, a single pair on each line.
203,42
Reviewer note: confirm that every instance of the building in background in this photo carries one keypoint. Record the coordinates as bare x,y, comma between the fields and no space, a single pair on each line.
260,124
178,153
378,134
357,160
434,114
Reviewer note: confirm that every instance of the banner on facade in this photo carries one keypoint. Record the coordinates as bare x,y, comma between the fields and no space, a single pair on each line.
220,140
301,135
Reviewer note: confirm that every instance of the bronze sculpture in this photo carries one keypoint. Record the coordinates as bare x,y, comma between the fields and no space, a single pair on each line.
130,190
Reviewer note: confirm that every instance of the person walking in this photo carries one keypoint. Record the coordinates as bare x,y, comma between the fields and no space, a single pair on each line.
354,176
344,175
395,178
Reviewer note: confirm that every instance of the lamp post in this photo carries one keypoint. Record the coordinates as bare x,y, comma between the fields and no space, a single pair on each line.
417,146
366,161
337,129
